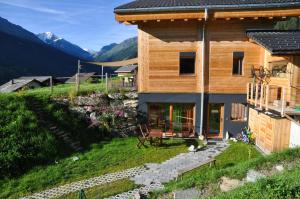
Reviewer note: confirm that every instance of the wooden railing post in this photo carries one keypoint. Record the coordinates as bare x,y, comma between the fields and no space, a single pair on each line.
261,96
256,94
248,86
251,93
283,101
106,82
267,97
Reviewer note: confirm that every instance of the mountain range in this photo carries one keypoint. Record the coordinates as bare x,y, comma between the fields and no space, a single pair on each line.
24,53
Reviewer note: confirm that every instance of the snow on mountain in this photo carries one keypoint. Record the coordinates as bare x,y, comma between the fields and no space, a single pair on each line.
64,45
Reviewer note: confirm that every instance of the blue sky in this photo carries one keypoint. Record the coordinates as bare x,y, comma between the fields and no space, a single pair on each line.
87,23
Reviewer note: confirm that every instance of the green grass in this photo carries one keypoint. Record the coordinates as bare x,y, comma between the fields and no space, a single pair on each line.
106,157
205,177
283,185
67,89
235,154
104,191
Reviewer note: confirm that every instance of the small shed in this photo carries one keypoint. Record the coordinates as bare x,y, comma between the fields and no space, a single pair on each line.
83,77
19,84
130,70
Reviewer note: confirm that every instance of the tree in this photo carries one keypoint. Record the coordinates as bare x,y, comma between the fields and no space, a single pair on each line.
292,23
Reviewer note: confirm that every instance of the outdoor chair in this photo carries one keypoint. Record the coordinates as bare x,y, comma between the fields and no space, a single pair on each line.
143,136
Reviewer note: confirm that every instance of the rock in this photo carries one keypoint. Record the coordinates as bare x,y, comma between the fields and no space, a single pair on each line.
187,194
137,196
75,158
253,176
115,96
228,184
131,95
93,116
130,103
89,101
279,168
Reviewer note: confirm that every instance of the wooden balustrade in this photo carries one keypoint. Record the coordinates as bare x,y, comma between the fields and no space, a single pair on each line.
260,96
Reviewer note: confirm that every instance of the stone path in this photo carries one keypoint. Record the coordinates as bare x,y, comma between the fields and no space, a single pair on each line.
150,178
84,184
156,174
178,165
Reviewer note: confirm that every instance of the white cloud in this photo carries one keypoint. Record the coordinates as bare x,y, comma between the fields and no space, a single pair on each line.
31,7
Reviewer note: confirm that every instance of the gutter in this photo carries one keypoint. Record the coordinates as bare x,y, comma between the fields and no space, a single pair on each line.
120,10
202,70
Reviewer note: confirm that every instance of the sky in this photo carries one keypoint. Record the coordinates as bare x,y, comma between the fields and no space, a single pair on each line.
87,23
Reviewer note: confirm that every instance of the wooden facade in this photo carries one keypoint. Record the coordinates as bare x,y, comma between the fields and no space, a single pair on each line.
214,36
272,134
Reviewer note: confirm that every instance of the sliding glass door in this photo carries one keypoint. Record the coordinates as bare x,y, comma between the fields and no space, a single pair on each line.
175,118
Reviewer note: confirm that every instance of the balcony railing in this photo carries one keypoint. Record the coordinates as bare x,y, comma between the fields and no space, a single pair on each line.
269,97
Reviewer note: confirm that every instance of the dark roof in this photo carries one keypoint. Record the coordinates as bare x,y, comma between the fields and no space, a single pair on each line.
82,77
194,5
126,69
277,42
38,78
15,85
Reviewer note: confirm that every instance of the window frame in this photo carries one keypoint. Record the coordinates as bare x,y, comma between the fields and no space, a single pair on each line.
193,55
245,114
242,65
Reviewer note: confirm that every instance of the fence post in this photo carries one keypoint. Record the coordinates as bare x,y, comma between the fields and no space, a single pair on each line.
102,74
78,78
51,85
106,82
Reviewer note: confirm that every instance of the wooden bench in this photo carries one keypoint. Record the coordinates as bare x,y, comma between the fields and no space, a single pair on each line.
211,162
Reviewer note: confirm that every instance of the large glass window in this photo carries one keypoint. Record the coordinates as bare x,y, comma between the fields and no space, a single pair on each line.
238,112
238,59
177,118
187,63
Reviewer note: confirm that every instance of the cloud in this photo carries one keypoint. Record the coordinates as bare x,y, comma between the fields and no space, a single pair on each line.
32,7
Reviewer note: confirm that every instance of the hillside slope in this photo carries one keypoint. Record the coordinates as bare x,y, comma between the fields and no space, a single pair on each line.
116,52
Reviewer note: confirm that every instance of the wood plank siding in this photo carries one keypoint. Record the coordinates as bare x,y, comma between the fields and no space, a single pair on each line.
161,43
271,134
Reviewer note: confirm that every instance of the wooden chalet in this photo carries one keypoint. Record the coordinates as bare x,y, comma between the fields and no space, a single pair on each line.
200,61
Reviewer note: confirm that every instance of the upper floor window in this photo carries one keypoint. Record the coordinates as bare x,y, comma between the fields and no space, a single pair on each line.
187,62
238,59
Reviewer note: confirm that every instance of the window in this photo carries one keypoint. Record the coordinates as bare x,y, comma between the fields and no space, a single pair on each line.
187,62
238,112
238,58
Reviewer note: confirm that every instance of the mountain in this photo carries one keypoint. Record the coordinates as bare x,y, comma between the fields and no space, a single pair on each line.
117,52
64,45
22,53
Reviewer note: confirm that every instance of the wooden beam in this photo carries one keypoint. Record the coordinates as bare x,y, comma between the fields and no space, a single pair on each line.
283,101
251,93
257,13
171,117
248,87
160,16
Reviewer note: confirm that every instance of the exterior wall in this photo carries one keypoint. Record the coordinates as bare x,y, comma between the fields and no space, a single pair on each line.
272,134
159,47
227,99
232,127
295,135
224,38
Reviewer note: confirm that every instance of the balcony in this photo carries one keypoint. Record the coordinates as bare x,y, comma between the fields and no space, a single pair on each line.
274,98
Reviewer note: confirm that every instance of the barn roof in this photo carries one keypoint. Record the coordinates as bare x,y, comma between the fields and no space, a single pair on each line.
126,69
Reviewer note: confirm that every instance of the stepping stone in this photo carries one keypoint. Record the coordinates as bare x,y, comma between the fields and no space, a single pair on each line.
187,194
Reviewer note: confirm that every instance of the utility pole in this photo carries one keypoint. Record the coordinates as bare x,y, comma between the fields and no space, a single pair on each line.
78,77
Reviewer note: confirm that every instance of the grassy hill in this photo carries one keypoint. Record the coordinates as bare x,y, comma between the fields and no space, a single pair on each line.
116,52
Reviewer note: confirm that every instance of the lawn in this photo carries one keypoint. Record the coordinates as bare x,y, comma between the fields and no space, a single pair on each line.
282,185
235,154
105,157
235,163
